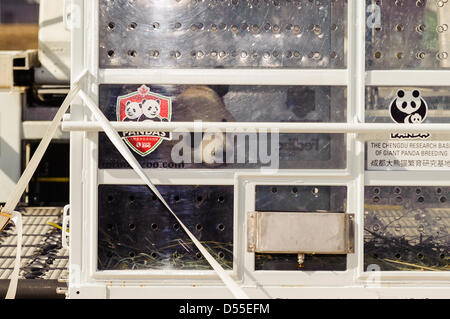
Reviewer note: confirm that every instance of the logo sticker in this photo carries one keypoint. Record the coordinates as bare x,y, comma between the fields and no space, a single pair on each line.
144,106
408,107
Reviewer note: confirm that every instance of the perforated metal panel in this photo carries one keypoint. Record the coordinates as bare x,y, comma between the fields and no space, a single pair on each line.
407,228
222,33
135,230
300,199
407,34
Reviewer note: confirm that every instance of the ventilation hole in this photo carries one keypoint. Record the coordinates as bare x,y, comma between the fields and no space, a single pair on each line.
177,198
198,255
317,30
397,256
294,190
109,227
221,199
198,227
110,199
420,55
376,190
154,53
175,54
420,28
442,256
398,199
133,25
199,198
154,226
420,255
132,53
111,25
418,191
154,255
420,3
132,254
421,199
439,190
221,255
375,256
378,55
132,226
397,190
376,199
315,191
443,199
176,227
221,227
131,199
111,53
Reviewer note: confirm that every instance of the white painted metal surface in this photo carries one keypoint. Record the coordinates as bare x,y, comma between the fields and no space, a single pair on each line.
10,140
15,60
54,43
87,282
35,130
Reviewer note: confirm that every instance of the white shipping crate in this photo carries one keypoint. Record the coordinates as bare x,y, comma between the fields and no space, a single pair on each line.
237,107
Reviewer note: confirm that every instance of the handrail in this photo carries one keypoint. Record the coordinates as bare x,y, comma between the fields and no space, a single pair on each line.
240,127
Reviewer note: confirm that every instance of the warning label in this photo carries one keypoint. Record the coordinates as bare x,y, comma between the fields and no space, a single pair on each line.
408,155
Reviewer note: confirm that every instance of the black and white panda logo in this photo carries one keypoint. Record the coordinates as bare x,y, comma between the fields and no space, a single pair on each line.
408,107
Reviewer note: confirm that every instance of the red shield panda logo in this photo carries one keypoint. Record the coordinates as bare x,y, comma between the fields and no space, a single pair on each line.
142,106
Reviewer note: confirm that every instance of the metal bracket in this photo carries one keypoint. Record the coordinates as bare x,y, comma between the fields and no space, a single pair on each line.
300,233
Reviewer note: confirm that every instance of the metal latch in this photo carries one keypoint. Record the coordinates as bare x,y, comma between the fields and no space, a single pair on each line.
300,233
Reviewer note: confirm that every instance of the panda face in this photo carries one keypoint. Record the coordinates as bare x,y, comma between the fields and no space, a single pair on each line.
416,118
408,101
151,108
133,110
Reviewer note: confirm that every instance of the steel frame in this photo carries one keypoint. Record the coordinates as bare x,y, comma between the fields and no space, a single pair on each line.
87,282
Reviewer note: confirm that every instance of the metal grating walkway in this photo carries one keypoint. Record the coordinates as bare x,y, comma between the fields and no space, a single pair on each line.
42,254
